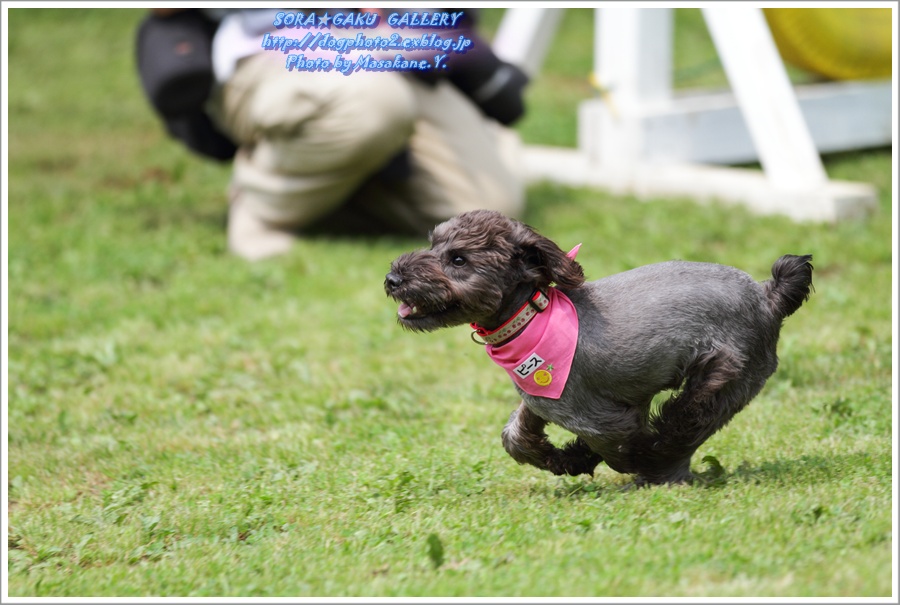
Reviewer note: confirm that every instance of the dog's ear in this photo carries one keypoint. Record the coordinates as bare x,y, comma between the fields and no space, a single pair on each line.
549,264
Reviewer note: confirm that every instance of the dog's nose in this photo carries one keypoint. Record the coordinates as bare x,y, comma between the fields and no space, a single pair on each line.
392,281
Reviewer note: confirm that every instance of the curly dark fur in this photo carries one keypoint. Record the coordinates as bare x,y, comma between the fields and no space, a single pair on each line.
708,331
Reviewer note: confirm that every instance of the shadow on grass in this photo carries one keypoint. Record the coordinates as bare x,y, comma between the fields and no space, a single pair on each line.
805,470
808,470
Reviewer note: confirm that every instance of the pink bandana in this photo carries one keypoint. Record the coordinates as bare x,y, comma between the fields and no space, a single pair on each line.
539,359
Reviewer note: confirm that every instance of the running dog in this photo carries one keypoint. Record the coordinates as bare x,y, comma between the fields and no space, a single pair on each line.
590,356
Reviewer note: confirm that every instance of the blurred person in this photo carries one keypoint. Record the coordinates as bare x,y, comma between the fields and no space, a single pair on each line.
362,153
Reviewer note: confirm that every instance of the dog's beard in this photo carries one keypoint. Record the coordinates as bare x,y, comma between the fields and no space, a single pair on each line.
429,309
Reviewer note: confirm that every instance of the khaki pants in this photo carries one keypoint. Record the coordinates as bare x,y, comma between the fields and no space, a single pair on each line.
311,146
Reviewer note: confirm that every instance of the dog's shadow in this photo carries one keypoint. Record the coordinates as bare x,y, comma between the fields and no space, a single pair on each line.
805,470
710,474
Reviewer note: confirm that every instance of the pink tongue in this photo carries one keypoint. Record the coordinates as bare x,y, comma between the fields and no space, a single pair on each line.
404,310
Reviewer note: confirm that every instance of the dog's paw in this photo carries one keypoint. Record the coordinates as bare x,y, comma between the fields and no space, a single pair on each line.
577,458
569,467
680,478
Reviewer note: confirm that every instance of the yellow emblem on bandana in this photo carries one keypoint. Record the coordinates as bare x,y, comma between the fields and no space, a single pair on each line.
542,378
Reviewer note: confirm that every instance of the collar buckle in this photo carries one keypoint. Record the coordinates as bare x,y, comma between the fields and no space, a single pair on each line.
534,305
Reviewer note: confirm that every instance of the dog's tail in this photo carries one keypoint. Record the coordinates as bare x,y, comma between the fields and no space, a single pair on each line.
790,284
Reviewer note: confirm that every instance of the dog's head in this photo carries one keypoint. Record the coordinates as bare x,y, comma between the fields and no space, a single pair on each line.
481,264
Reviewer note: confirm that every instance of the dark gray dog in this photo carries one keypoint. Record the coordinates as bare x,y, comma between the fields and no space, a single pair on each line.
709,331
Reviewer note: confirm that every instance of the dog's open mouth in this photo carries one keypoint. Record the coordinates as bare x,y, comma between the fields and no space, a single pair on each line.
407,310
411,313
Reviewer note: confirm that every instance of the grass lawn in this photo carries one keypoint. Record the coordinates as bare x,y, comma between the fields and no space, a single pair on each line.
184,423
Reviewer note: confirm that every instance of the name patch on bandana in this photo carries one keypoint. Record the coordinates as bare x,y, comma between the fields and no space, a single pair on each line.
525,369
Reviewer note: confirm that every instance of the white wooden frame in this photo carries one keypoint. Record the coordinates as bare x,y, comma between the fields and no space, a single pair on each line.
641,138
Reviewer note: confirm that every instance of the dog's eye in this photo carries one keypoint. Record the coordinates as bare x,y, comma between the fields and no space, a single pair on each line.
457,261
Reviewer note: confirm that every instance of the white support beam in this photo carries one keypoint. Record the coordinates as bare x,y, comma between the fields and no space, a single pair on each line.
709,128
765,95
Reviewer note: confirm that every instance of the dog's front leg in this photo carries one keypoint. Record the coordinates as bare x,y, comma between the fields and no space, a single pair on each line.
525,440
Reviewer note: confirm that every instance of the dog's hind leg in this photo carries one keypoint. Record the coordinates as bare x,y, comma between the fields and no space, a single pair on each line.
525,440
717,386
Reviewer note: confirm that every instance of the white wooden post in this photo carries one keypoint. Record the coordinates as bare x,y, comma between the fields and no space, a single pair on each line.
633,53
524,36
633,63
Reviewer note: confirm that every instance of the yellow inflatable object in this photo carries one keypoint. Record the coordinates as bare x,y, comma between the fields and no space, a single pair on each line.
838,43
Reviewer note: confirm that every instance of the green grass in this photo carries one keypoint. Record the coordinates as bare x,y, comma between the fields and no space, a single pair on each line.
183,423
